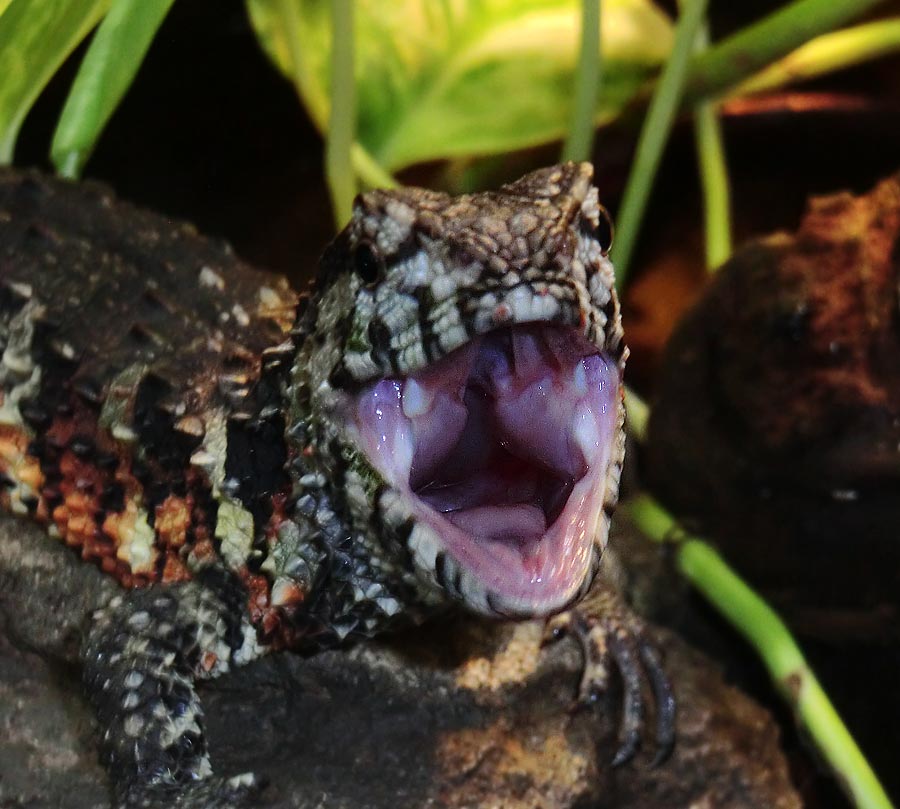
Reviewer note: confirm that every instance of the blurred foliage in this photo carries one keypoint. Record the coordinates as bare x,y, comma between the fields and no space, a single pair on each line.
448,79
116,53
433,80
35,38
833,51
655,132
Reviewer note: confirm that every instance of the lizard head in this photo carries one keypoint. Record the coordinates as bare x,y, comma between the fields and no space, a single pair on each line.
471,349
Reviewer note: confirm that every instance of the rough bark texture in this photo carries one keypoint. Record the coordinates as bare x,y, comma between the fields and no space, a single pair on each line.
456,714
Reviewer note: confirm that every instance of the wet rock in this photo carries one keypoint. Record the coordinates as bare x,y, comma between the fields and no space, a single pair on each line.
776,425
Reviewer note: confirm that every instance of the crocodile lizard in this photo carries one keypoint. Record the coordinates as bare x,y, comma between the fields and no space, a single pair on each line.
438,422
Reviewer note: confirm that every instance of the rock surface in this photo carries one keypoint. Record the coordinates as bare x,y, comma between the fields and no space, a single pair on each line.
776,424
455,714
775,433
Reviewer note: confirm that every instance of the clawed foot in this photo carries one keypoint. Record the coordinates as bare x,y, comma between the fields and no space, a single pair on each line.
611,635
238,792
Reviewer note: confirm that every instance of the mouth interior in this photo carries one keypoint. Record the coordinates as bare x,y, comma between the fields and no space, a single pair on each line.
502,448
494,456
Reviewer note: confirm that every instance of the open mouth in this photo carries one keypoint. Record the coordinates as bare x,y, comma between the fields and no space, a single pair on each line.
502,450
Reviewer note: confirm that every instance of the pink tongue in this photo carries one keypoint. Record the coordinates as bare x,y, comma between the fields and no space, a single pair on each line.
520,523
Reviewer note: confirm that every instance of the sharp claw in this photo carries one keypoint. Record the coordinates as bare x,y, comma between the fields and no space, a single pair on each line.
628,749
619,639
594,681
623,653
665,702
553,634
663,753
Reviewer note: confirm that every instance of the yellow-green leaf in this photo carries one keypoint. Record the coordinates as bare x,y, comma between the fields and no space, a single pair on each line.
447,78
106,72
35,38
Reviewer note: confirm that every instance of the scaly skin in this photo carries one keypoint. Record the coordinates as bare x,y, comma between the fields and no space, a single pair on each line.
185,426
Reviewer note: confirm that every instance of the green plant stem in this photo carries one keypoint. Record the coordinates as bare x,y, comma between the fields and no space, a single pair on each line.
342,118
654,134
106,72
753,48
714,181
708,76
710,148
369,170
760,625
638,414
579,141
829,52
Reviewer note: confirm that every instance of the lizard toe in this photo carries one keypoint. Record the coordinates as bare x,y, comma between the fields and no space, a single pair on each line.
614,641
235,792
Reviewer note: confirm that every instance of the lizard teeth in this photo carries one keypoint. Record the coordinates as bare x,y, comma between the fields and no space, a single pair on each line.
586,432
579,379
417,399
500,453
424,544
386,432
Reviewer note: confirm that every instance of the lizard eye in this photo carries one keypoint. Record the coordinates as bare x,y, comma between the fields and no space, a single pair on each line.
368,265
604,232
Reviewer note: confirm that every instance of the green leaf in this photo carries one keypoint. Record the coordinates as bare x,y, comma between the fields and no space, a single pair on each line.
753,48
449,78
654,134
108,68
35,38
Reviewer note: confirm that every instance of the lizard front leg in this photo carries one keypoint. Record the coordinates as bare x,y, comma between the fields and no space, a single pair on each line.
612,636
142,656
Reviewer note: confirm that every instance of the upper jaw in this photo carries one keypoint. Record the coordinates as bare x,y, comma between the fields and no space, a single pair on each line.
501,453
421,317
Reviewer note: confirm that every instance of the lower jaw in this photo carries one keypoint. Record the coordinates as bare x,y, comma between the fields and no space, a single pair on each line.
534,577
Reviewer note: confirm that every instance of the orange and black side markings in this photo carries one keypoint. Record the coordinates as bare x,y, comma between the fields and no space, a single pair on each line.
21,472
84,489
173,518
114,375
273,601
67,494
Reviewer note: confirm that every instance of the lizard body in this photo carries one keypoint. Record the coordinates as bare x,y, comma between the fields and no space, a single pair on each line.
438,423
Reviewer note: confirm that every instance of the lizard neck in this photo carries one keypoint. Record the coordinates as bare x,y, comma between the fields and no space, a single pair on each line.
318,576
